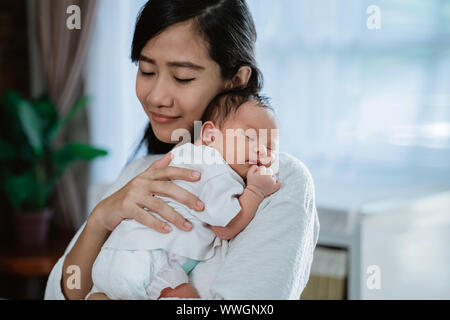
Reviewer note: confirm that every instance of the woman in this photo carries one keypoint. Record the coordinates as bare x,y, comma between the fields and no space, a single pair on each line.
188,52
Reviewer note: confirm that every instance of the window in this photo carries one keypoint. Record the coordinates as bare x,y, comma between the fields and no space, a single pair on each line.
117,120
355,100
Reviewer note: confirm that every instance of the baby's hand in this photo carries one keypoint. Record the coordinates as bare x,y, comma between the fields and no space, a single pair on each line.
262,181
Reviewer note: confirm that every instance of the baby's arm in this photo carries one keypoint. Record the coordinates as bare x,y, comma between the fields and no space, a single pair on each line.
249,202
261,183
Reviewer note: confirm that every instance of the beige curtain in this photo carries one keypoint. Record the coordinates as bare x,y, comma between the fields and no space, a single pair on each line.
63,53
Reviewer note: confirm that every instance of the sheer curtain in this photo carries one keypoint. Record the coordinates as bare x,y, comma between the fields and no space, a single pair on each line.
364,106
63,55
116,117
355,104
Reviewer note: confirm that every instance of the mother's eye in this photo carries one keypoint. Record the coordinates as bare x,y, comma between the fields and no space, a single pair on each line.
147,73
184,80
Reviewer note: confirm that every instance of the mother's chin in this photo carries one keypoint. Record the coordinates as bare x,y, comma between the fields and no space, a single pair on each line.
166,132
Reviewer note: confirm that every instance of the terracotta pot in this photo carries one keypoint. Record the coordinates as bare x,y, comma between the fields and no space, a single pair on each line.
31,228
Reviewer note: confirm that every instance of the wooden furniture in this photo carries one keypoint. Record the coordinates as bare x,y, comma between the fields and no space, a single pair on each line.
24,272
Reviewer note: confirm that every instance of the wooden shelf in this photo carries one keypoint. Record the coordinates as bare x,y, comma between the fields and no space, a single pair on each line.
36,262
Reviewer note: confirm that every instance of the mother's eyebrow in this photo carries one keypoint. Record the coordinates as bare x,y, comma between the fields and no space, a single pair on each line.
177,64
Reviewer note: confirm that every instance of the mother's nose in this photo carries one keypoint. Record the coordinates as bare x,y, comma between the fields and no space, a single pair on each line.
160,95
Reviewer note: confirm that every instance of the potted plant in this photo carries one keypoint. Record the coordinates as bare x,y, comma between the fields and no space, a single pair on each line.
31,162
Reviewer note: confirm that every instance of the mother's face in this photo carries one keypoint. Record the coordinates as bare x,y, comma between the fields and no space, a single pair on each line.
176,80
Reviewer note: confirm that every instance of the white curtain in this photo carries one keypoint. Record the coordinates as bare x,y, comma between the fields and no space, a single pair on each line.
116,117
355,99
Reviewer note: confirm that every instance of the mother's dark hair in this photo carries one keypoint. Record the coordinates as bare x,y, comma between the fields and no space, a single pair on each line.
226,25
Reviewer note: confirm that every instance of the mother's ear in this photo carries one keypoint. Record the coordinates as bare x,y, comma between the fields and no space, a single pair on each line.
241,78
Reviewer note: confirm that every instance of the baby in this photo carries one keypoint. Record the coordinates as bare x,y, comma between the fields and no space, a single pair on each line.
236,147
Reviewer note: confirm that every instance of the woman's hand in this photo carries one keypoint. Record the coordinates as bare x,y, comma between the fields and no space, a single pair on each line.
130,201
98,296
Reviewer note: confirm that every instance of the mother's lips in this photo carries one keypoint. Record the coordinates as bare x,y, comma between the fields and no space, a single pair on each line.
162,118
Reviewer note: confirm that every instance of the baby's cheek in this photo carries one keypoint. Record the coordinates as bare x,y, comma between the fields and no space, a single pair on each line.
252,153
240,151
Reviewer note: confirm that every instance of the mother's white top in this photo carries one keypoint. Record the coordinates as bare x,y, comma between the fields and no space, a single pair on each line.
270,259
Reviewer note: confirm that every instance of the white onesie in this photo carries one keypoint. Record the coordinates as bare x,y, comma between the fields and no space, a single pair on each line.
137,263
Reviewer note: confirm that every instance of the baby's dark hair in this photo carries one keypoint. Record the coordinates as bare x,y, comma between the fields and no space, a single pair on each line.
226,104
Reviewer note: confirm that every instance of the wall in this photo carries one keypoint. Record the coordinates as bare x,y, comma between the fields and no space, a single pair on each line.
14,64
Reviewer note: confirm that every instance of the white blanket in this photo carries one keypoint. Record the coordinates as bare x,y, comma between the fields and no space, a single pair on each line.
270,259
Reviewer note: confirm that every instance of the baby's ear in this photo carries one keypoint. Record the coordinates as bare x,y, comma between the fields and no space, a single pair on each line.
209,133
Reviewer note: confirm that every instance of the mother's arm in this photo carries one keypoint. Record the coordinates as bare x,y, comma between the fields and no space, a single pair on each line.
271,258
126,200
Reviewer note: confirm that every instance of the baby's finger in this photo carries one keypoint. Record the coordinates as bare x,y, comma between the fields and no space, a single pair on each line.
278,185
262,170
253,170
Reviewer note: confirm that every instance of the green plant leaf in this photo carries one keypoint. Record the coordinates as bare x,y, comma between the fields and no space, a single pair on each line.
10,124
32,126
74,152
47,112
59,125
11,101
32,166
19,189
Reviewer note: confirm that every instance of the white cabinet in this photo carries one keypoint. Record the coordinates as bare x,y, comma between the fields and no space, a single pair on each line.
402,238
407,240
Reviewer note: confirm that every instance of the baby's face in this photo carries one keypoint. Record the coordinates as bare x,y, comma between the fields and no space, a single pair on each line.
250,137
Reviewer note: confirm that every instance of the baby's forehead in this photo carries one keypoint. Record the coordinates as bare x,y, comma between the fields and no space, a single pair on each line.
254,115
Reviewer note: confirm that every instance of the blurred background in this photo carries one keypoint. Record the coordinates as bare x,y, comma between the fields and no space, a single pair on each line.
362,89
